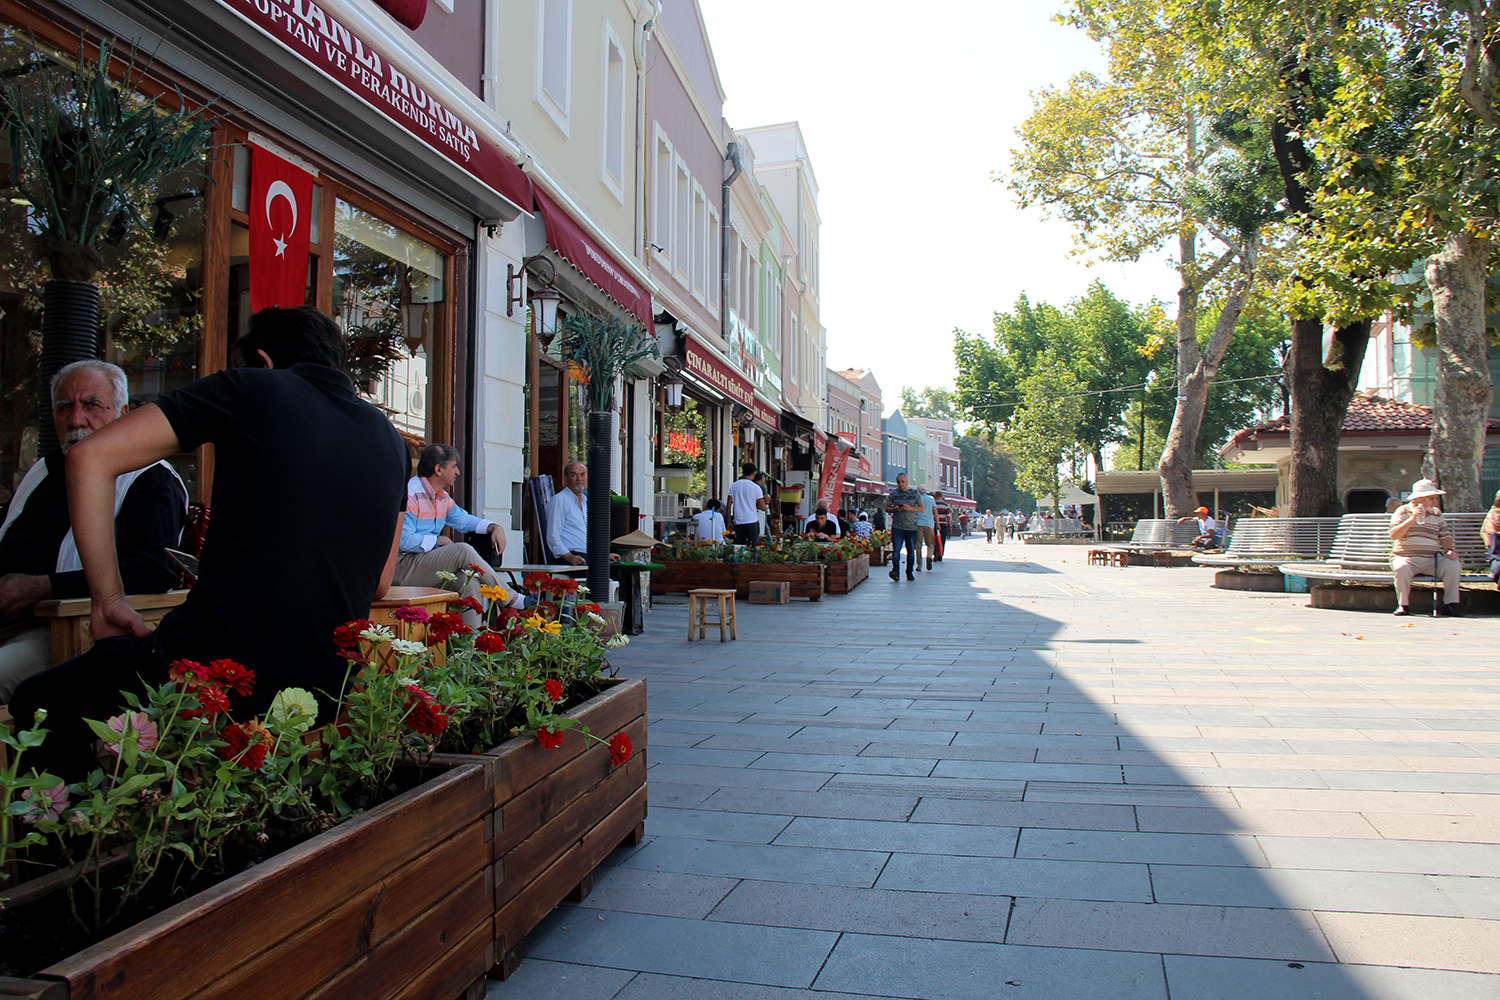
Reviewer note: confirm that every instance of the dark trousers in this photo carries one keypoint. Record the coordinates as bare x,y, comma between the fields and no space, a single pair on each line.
85,687
903,537
747,534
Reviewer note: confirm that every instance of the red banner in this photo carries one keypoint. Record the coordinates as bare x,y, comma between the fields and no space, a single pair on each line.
280,230
834,464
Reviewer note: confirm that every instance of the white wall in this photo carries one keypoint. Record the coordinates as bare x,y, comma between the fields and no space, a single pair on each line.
500,399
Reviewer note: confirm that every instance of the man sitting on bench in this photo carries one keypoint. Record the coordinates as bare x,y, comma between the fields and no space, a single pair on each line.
38,558
1208,529
1420,544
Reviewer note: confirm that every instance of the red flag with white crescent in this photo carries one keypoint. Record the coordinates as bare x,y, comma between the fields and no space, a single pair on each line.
280,230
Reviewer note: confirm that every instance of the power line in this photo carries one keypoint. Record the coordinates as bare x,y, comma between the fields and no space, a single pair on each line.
1161,386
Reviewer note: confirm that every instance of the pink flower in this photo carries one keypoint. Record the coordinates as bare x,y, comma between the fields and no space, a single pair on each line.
144,728
410,613
51,803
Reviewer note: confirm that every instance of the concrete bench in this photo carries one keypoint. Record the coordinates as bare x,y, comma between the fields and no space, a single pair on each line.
1266,542
1361,551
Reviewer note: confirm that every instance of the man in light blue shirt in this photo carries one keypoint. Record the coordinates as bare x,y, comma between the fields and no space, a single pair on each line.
927,528
567,517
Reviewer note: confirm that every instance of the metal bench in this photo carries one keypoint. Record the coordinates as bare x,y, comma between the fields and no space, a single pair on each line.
1162,533
1266,542
1361,551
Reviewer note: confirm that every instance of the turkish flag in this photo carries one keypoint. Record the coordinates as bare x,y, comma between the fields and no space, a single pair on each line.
280,230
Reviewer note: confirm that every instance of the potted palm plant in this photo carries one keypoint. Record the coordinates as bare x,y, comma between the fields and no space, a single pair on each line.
87,155
603,348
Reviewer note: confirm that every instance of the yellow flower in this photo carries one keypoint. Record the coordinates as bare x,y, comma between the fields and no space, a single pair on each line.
495,593
539,624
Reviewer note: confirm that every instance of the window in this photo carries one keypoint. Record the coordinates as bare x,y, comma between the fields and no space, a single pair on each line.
794,354
713,249
701,251
661,228
554,59
614,114
682,246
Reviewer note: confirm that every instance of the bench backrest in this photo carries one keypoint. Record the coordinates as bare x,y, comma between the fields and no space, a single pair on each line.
1293,537
1364,541
1164,532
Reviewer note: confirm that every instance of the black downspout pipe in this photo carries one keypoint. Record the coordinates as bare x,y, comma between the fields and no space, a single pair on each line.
732,156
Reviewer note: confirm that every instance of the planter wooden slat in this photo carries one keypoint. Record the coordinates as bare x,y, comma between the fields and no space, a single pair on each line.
843,577
524,761
806,579
523,814
516,919
462,969
179,951
681,577
568,822
408,954
31,989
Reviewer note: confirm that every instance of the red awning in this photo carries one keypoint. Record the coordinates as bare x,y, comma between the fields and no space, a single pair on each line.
577,248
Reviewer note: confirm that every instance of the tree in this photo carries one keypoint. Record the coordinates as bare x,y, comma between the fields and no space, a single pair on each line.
1139,160
993,471
930,402
1044,427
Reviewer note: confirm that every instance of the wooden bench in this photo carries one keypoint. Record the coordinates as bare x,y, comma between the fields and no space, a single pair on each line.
1361,551
72,634
1265,542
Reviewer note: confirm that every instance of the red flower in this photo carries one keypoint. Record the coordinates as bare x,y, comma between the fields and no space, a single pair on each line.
536,581
489,642
585,608
442,625
619,748
564,585
248,743
227,673
547,610
470,603
476,568
347,636
550,739
410,613
554,690
423,713
187,674
212,701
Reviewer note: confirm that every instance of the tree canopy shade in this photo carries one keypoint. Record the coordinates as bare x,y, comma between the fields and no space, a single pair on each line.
1143,159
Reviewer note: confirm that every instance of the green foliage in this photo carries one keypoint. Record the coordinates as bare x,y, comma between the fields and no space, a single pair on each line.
994,473
1045,426
88,149
930,402
604,348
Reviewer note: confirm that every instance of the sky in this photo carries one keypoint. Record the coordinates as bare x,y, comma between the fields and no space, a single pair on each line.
908,109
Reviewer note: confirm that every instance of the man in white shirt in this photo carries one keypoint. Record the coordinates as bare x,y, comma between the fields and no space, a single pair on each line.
567,517
746,500
1208,529
709,525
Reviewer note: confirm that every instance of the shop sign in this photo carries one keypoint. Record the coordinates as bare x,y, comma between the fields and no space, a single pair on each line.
346,58
719,375
766,414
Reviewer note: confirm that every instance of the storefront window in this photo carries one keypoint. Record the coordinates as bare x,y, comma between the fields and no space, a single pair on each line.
150,282
687,438
388,297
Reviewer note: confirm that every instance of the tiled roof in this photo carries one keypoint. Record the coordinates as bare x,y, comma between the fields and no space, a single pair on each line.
1368,414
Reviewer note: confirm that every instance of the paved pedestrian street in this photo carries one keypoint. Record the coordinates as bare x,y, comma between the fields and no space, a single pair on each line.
1025,777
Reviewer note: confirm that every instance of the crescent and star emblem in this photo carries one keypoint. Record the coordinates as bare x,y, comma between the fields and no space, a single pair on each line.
281,189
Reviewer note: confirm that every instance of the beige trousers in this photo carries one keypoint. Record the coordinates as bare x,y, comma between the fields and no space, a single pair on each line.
1403,568
23,654
928,536
420,569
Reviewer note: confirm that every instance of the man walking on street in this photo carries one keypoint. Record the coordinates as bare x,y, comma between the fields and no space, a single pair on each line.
746,501
927,527
905,506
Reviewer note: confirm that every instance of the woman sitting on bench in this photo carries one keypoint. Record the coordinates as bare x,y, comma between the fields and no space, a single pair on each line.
1420,544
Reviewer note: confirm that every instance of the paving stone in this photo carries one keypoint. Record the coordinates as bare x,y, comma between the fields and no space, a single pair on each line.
730,859
1420,856
848,804
1306,889
649,986
702,757
952,916
845,764
1158,848
713,824
1191,978
1017,877
559,981
666,894
706,949
740,777
1473,896
1270,822
1047,815
1230,931
1420,942
956,970
908,838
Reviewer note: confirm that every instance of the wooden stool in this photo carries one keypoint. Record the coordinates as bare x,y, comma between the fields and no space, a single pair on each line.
1161,558
698,612
1120,559
1098,557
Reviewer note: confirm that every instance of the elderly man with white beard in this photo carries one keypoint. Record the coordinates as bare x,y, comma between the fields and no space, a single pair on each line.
38,558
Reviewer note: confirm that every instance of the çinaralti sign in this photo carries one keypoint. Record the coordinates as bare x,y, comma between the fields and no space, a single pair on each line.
352,62
717,374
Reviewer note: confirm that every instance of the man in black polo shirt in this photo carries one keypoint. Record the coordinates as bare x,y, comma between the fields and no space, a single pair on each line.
308,496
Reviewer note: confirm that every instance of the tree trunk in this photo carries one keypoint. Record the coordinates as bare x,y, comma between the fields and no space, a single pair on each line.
1196,370
1321,388
1461,404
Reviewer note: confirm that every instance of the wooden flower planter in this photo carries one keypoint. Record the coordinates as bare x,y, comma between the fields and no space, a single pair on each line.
880,556
396,902
557,814
806,579
681,577
843,577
